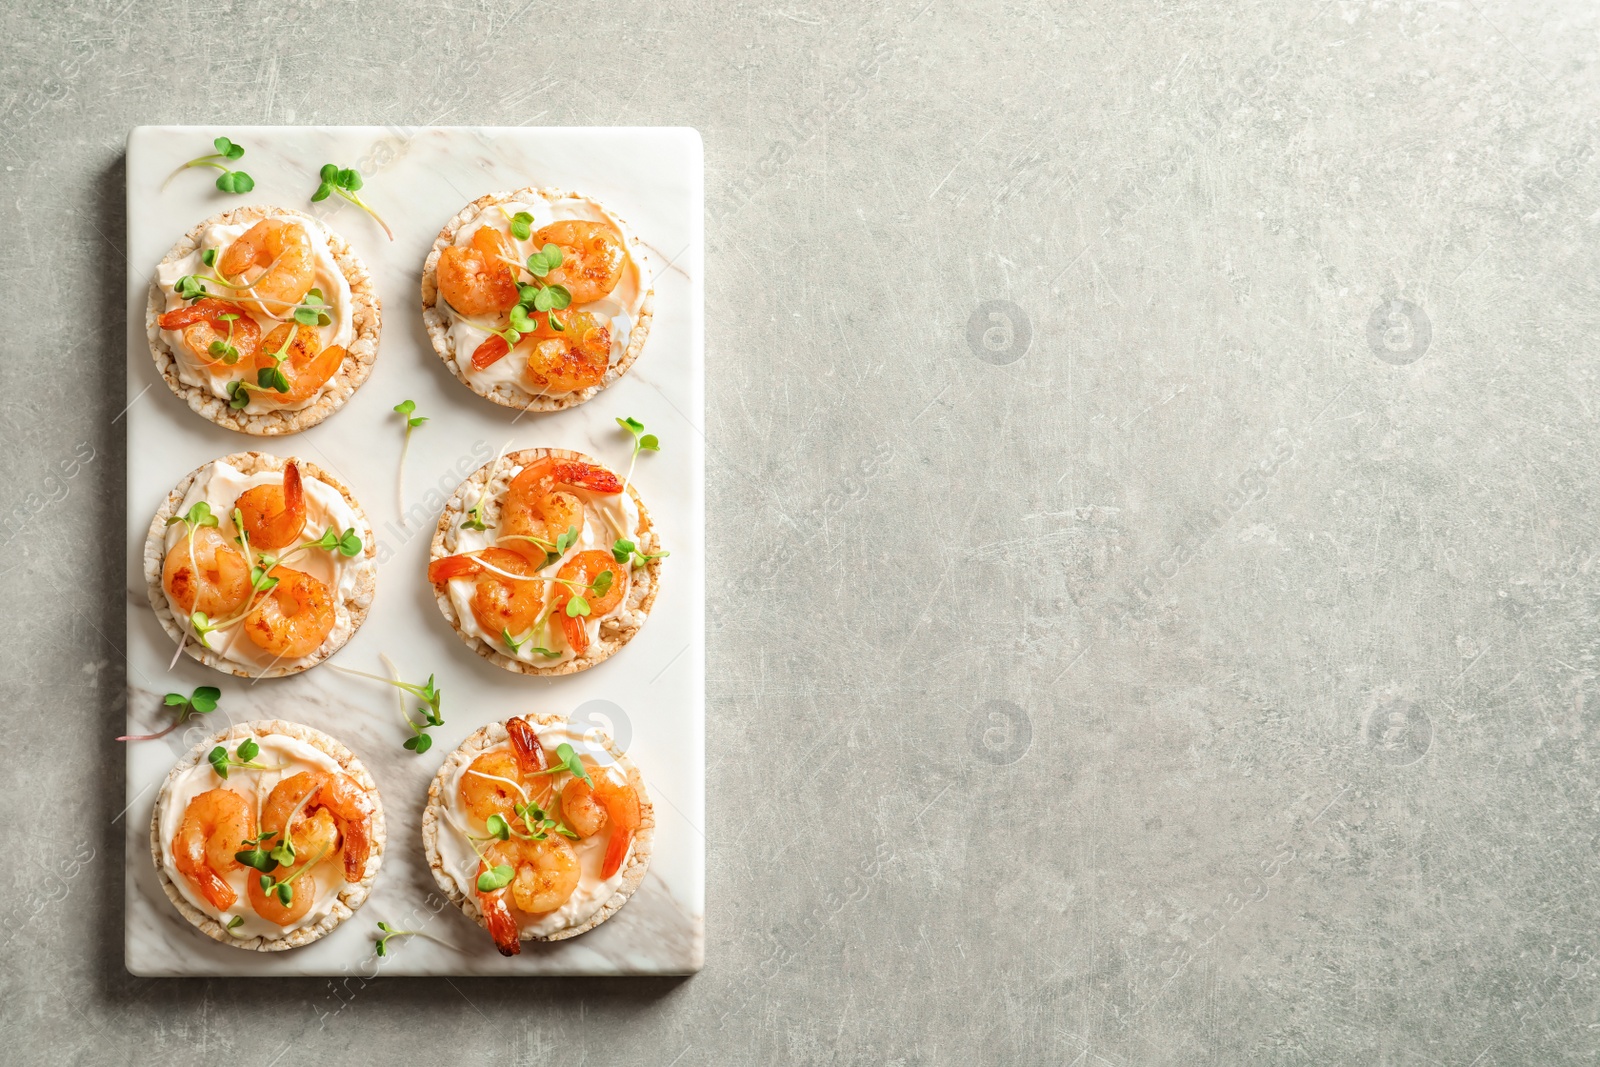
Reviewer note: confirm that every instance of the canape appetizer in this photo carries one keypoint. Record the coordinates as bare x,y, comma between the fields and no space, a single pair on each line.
268,835
536,832
545,562
260,566
537,299
263,320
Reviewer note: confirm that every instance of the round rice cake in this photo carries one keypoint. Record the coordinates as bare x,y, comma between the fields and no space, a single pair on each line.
361,354
615,631
438,321
351,897
434,822
350,611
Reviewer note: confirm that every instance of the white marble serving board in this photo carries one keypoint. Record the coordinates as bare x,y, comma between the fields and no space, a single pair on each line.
651,693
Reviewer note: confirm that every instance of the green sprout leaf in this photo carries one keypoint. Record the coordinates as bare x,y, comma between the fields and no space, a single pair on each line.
622,549
566,754
272,378
189,287
197,516
382,948
577,606
202,701
209,257
229,181
345,181
521,225
602,582
498,827
497,878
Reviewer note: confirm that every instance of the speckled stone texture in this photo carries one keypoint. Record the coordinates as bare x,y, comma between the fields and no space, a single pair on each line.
1151,481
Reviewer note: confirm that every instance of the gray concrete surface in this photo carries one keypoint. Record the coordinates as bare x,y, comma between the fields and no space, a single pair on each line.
1152,538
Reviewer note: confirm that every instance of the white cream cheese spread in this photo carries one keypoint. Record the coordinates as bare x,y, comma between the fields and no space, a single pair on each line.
461,861
215,376
288,756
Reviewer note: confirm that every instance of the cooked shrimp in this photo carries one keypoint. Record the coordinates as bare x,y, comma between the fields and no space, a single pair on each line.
202,324
498,602
294,617
583,569
274,515
536,512
564,361
287,267
546,873
306,363
588,809
486,787
271,908
206,572
337,814
591,257
476,279
215,826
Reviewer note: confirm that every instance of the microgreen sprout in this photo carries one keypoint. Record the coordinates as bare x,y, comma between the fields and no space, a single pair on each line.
345,181
569,763
254,855
234,924
405,408
538,296
197,516
476,513
282,887
516,646
229,181
535,819
244,756
642,442
427,692
625,551
347,543
388,932
202,701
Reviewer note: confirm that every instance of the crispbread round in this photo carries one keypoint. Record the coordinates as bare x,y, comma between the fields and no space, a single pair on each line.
488,737
615,631
438,323
351,896
352,610
362,352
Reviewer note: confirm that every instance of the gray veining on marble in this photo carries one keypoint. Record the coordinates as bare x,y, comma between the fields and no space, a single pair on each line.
1151,551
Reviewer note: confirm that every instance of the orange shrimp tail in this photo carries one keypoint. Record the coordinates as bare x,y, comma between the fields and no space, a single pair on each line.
577,636
218,893
497,917
616,851
442,570
587,476
294,497
530,753
357,848
489,352
199,311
